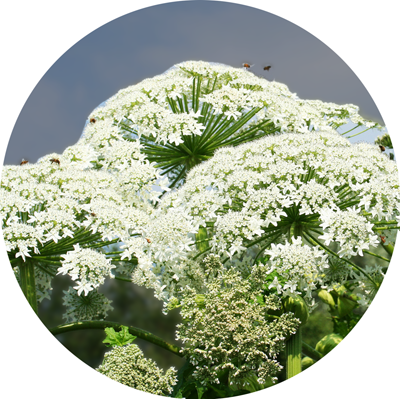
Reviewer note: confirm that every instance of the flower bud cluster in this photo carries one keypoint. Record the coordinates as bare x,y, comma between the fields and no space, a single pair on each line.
228,329
128,366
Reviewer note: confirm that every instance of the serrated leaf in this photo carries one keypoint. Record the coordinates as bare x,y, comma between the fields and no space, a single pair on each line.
121,338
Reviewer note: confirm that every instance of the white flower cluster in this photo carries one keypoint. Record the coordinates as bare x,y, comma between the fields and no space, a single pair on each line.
93,306
86,266
351,230
128,366
227,329
314,186
61,194
365,290
193,97
301,267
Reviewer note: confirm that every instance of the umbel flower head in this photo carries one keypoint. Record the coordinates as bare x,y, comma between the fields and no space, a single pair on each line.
79,196
227,329
128,366
93,306
86,266
182,116
314,194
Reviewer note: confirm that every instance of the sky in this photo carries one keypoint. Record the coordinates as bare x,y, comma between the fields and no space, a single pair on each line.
147,42
365,34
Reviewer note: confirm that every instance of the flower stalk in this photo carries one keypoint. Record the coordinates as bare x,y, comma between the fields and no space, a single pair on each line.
27,282
293,355
101,325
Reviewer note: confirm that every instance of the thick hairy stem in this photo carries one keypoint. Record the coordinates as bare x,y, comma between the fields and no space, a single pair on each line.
293,355
27,281
101,325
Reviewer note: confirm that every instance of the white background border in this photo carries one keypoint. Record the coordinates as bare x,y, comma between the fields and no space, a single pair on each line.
36,33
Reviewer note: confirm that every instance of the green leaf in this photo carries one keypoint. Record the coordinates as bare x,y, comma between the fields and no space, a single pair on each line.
185,383
120,338
220,392
200,389
260,300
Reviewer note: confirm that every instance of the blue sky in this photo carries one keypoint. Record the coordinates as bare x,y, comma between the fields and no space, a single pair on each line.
149,41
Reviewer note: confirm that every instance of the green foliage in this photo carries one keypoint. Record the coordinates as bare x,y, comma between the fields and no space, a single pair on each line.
120,338
190,388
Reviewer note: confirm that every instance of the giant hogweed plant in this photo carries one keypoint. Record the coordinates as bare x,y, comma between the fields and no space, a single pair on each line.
228,196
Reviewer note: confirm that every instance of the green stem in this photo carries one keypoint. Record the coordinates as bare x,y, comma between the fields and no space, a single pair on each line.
101,325
311,352
376,255
355,127
388,248
27,281
386,228
354,135
123,279
293,355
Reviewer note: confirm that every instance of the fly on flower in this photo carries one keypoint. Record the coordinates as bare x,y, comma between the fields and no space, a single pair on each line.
148,240
92,120
382,148
24,161
55,160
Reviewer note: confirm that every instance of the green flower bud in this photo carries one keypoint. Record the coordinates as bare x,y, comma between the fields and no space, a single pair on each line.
200,298
173,303
297,306
327,298
306,362
326,344
345,306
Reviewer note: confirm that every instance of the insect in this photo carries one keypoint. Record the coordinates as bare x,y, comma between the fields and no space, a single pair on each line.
55,160
267,68
148,240
93,214
382,148
246,65
92,120
23,162
383,239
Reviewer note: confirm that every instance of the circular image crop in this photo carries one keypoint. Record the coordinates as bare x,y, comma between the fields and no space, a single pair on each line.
200,200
